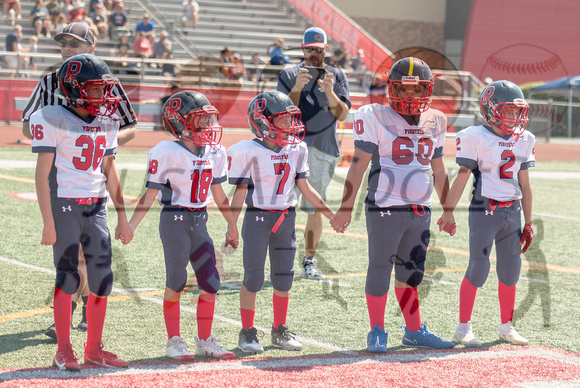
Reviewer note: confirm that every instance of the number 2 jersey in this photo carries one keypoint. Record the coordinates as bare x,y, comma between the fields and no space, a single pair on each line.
184,178
400,171
79,147
269,174
495,161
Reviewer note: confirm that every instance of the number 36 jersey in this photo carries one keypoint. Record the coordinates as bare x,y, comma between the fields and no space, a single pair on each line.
400,171
269,174
184,178
495,161
79,147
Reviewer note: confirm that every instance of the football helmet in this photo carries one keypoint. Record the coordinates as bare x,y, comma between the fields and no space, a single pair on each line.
272,115
78,75
410,71
496,101
189,115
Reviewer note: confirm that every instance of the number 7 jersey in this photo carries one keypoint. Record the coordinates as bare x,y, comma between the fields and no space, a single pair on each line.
400,171
495,161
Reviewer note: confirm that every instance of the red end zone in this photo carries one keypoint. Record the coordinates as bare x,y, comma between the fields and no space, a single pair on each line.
506,366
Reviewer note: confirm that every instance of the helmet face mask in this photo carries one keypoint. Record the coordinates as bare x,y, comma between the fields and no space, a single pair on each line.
273,116
405,73
503,106
189,116
79,75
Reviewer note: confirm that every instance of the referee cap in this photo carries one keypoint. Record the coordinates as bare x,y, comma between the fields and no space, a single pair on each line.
78,31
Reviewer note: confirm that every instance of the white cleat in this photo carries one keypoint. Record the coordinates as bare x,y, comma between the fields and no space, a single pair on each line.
507,333
176,349
210,347
464,335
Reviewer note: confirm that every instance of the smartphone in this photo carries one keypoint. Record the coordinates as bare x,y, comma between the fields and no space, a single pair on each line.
316,72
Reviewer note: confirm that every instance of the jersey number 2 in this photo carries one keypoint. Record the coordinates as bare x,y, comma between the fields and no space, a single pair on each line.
503,169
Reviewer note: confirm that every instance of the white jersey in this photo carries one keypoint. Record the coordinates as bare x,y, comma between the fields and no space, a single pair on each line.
270,174
79,147
401,171
495,161
184,178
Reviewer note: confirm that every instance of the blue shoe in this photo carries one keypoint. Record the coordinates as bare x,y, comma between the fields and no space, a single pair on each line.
423,339
377,340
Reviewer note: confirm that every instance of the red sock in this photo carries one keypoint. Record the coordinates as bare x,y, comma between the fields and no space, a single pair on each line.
205,312
376,307
96,310
467,294
247,318
507,301
171,313
280,310
409,302
62,316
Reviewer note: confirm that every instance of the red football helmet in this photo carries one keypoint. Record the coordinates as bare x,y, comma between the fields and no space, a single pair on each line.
497,100
410,71
188,115
272,115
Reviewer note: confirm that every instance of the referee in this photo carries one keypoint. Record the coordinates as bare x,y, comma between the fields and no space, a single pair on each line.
75,39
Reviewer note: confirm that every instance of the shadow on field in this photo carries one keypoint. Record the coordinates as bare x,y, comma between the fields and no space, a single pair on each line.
18,341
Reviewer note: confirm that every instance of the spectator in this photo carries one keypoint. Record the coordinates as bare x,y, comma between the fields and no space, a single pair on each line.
65,8
13,45
77,12
237,70
147,27
40,19
255,71
86,20
276,51
323,102
341,56
118,21
378,90
8,5
142,46
190,13
170,69
226,58
53,8
62,21
33,50
163,46
99,17
358,67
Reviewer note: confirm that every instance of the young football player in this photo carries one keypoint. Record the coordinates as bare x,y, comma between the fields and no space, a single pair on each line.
266,171
498,154
182,174
404,144
75,172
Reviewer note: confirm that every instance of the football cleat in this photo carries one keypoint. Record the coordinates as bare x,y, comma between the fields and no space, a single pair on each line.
66,360
176,349
464,335
377,340
51,332
100,357
310,270
284,339
507,333
210,347
248,341
423,339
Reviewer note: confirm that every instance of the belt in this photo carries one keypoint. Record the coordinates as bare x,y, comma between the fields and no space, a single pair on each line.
493,203
279,220
86,201
194,209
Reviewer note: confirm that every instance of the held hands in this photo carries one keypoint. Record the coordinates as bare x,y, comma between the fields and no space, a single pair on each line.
232,238
341,220
447,223
124,232
527,236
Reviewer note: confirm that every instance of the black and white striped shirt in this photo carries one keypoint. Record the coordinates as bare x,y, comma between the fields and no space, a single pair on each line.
46,93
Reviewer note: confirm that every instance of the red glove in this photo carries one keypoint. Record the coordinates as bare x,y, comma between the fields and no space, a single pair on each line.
527,236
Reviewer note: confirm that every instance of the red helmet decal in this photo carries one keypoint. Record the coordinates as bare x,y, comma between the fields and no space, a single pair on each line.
74,67
260,104
487,93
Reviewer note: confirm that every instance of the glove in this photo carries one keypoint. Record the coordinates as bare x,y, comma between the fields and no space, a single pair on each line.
527,236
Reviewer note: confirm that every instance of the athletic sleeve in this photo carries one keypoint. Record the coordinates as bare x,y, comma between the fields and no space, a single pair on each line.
466,148
219,172
159,163
530,159
364,130
238,165
46,140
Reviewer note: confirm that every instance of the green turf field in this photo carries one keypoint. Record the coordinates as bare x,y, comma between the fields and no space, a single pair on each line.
328,316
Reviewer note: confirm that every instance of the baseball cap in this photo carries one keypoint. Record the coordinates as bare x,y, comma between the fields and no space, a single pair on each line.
78,31
314,37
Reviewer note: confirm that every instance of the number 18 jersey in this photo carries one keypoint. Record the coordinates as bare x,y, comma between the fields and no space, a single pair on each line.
400,171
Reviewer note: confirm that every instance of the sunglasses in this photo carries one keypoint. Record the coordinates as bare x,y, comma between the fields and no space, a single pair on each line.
71,43
319,50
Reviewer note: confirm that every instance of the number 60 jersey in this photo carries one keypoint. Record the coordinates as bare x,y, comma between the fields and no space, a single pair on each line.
400,171
79,147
